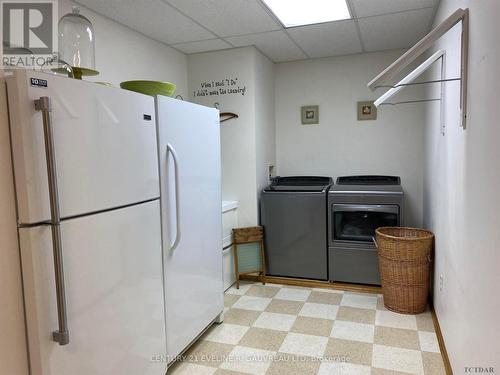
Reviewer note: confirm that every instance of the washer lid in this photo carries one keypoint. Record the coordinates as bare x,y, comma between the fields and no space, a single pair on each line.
300,183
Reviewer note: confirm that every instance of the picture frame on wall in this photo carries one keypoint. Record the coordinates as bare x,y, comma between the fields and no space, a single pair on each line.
367,111
309,114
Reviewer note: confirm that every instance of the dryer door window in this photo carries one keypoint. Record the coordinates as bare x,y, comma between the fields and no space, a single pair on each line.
358,222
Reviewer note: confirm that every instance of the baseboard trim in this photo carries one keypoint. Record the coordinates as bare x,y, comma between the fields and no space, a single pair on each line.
316,284
442,347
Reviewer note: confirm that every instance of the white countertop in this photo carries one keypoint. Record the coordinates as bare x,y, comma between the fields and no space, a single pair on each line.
229,205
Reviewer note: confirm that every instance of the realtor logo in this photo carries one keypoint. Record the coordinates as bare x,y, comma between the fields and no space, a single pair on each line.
29,27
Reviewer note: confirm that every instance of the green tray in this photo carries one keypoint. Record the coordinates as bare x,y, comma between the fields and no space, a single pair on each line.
152,88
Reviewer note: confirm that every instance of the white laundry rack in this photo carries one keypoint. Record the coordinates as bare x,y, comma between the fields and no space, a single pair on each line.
460,15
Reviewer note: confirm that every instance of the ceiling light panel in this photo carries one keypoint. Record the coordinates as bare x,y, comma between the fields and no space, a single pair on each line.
307,12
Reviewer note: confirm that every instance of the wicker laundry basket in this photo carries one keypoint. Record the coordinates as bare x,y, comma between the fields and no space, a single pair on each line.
404,256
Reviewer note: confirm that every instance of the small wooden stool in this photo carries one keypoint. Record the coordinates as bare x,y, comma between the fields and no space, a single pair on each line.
249,259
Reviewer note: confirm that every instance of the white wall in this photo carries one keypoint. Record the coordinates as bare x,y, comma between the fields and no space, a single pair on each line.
121,54
341,145
248,141
461,195
237,135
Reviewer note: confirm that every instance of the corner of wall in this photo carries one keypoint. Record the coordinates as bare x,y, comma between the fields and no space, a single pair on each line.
265,124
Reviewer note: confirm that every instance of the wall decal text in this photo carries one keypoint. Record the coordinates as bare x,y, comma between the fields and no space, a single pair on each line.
225,86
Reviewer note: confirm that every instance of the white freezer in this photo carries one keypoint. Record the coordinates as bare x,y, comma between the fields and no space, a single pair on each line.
105,148
114,294
108,267
190,179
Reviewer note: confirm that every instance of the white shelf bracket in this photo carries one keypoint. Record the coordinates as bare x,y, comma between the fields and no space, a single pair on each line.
417,72
460,15
442,109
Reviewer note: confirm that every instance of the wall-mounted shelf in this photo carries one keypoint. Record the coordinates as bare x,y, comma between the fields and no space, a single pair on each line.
224,116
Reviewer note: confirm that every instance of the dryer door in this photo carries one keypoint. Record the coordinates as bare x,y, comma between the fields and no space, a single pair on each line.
353,222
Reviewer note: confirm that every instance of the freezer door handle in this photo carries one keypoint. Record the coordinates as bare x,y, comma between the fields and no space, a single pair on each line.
43,105
171,150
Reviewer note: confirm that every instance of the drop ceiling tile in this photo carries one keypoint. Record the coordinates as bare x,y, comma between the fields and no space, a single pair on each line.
327,39
228,17
398,30
202,46
153,18
366,8
275,44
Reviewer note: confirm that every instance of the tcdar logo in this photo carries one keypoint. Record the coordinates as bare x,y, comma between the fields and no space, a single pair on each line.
479,370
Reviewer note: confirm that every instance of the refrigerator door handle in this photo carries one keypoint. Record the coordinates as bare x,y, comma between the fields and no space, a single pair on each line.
43,105
171,150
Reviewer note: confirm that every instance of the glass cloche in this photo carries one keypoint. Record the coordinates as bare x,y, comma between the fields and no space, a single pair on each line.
77,43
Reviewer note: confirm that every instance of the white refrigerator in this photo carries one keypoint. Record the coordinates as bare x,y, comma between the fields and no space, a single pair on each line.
87,184
190,179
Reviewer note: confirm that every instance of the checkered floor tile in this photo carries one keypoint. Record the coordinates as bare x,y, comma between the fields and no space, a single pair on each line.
276,329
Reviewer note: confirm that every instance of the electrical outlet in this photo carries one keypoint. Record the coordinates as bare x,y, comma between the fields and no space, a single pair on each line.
271,172
441,282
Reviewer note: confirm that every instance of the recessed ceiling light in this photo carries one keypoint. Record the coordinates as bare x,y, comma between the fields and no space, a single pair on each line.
306,12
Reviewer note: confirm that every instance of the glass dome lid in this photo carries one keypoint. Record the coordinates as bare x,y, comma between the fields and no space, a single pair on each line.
77,43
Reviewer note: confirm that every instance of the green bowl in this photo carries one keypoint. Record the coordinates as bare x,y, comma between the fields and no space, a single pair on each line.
152,88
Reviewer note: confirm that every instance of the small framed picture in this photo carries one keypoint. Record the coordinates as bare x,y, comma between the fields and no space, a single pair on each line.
367,111
310,114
